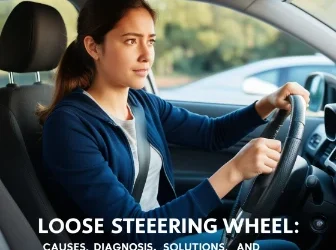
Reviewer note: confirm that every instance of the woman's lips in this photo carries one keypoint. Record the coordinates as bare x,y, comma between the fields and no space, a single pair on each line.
141,72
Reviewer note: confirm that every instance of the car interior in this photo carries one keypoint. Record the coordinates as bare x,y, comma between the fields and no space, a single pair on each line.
309,194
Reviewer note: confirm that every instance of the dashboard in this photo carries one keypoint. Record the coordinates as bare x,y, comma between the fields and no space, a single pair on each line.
311,190
320,151
317,216
321,146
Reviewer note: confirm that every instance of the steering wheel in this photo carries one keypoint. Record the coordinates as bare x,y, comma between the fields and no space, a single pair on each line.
258,196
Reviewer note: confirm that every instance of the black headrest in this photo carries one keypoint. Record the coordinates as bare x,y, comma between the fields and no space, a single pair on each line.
33,39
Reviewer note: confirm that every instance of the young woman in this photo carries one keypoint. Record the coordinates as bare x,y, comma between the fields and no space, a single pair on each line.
89,135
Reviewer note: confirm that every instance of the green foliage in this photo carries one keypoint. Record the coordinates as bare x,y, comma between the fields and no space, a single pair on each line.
197,38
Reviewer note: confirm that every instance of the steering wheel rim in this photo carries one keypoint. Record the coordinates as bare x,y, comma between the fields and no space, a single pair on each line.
264,190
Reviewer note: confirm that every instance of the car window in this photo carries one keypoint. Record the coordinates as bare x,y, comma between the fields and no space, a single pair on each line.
271,76
300,74
212,59
69,14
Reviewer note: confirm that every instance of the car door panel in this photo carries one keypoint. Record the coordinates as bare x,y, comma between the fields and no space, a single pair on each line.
191,166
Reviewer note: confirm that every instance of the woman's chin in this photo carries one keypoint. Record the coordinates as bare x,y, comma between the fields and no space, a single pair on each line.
138,84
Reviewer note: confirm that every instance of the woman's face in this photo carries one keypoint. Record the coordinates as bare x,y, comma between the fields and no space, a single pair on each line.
127,53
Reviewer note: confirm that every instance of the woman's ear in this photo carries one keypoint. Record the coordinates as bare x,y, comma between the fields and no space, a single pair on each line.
91,47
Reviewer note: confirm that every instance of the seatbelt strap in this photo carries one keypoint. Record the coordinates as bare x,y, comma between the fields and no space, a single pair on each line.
143,148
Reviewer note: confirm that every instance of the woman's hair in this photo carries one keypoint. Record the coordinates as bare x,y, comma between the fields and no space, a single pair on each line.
77,67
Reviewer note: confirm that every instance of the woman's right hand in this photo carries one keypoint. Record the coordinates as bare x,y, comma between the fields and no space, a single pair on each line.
259,156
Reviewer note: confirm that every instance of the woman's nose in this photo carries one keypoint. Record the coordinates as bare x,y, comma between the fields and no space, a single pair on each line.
146,53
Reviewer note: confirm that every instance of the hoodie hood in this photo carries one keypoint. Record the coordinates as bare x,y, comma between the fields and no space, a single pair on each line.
79,100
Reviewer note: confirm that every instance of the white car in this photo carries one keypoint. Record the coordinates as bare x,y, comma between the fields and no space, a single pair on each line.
245,84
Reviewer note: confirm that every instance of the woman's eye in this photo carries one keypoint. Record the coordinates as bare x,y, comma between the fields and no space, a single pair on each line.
151,42
131,41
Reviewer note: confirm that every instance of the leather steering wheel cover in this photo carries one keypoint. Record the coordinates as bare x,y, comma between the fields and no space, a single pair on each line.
259,184
252,189
268,189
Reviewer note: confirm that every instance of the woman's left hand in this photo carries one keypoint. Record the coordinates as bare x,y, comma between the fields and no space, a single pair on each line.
278,99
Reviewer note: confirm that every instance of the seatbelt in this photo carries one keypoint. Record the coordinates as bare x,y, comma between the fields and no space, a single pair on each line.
3,242
143,148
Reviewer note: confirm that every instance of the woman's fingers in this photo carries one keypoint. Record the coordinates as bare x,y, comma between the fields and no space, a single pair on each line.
267,170
270,163
273,154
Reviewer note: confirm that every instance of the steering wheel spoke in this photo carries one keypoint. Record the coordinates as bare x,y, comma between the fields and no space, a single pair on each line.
241,216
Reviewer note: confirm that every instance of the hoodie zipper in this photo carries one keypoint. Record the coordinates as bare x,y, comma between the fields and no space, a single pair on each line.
164,170
129,151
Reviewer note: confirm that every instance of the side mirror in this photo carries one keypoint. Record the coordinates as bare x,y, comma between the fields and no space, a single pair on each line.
322,88
256,86
315,84
330,121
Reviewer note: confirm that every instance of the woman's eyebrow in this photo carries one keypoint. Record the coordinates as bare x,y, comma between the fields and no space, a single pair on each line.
137,34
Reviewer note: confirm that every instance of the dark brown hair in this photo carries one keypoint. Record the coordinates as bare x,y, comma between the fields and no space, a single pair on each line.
77,68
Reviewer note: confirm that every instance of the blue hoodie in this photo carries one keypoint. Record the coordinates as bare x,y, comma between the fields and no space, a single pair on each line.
89,164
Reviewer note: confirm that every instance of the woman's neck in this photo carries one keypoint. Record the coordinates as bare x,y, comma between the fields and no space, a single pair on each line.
112,99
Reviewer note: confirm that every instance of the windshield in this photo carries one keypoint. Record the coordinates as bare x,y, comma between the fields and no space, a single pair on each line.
323,10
